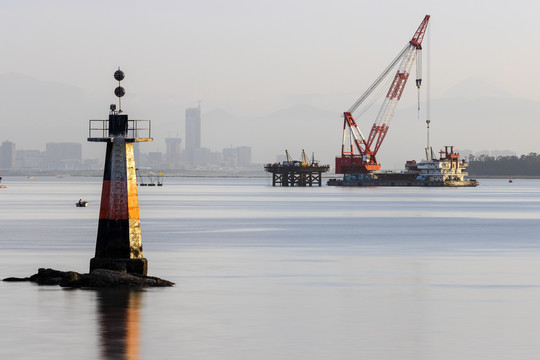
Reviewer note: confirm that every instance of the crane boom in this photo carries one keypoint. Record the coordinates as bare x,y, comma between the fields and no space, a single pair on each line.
365,161
378,81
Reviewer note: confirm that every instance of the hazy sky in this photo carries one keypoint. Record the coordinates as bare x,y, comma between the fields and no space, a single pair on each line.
252,57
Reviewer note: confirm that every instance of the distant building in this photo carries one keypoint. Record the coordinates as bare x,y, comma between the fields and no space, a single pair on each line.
173,152
204,157
193,133
243,156
237,157
137,153
7,155
155,158
29,160
230,159
63,156
92,164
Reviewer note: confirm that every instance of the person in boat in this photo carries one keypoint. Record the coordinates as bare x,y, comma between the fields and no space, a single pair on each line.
80,202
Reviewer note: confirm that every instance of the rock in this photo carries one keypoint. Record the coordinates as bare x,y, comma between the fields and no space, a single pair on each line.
114,279
47,277
99,278
70,279
16,279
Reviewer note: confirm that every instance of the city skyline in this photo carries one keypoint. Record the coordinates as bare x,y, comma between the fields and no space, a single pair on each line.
69,156
280,87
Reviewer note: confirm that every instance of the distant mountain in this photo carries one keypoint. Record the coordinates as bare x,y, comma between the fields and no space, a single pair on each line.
477,124
22,94
466,123
474,88
294,128
34,112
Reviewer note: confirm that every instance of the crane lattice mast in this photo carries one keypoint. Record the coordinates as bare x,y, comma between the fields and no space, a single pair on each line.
365,160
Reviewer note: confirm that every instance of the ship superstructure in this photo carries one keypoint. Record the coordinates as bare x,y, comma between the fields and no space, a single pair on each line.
448,168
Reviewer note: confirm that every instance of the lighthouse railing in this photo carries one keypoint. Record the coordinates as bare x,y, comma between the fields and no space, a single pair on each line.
137,129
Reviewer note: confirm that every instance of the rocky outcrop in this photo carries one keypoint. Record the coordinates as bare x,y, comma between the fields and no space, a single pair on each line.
99,278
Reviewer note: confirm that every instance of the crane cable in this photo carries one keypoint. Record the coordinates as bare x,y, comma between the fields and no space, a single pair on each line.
418,75
428,91
379,79
428,73
380,92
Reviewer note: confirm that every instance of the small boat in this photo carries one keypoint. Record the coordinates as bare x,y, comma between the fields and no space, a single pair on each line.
510,181
81,203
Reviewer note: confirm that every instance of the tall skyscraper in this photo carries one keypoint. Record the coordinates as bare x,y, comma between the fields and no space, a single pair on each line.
7,155
193,132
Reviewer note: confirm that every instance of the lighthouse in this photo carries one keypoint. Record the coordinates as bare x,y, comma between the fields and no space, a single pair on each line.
119,241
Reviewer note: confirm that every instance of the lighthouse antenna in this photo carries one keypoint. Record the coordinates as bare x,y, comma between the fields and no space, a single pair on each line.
119,91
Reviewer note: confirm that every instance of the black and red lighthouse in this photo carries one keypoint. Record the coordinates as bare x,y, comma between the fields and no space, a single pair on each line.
119,242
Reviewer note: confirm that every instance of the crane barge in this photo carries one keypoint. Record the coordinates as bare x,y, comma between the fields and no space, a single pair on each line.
358,161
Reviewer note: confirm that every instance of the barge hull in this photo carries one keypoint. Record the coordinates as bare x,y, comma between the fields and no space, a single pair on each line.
403,183
448,171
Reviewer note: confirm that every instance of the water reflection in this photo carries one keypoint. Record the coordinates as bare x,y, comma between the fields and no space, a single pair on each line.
119,321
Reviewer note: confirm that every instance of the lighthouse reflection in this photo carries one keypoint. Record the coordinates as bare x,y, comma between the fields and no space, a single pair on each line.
119,322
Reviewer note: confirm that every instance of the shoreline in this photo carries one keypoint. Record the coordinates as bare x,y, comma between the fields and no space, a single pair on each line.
207,174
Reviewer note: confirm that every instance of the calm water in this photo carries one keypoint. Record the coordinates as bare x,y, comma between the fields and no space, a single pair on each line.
280,273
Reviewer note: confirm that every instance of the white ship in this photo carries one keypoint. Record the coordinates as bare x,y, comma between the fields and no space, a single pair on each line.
448,170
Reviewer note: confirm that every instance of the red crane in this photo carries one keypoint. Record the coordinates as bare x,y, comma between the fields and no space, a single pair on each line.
365,160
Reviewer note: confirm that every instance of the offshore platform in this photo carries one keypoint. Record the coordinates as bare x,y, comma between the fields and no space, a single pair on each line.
297,173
